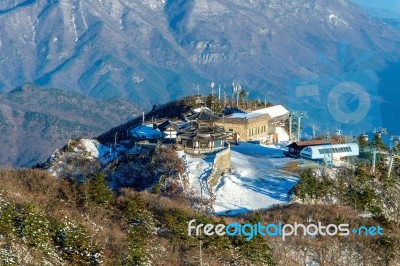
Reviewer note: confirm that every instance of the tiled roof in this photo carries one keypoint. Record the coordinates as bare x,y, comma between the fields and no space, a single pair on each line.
203,115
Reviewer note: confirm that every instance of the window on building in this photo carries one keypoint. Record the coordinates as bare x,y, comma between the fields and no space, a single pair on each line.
335,150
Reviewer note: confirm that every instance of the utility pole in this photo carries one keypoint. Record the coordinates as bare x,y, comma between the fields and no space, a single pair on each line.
212,96
314,129
233,91
380,131
299,115
393,150
396,140
373,159
328,135
224,100
219,92
338,131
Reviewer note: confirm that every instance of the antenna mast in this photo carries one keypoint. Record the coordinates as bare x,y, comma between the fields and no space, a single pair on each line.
237,89
197,89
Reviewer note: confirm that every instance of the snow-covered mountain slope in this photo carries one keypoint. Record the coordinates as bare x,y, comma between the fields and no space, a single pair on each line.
150,51
108,48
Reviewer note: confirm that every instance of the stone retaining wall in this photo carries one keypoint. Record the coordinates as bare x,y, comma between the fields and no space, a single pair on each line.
222,164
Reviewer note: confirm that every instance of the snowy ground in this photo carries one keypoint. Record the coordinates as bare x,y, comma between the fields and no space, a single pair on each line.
198,169
256,182
282,134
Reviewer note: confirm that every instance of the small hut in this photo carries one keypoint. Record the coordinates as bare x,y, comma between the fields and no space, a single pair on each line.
169,129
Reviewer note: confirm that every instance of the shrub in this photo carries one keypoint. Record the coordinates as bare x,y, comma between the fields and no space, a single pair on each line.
7,256
7,216
99,192
74,242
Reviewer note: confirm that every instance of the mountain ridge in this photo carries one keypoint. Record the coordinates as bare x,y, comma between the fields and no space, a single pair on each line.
154,51
35,121
106,41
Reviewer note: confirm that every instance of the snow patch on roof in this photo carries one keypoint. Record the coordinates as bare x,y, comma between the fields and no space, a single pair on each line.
273,111
145,132
198,110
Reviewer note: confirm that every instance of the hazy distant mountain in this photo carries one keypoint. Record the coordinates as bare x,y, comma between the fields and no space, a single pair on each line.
34,121
382,8
387,10
148,51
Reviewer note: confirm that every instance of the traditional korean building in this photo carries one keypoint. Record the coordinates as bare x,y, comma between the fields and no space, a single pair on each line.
202,135
169,129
